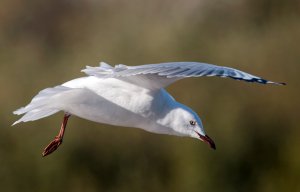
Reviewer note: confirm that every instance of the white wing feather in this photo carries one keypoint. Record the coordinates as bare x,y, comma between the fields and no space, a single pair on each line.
155,76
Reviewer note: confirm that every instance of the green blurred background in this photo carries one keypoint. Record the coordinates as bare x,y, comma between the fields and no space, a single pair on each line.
255,127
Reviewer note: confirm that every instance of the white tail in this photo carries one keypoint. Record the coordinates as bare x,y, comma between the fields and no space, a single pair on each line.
38,108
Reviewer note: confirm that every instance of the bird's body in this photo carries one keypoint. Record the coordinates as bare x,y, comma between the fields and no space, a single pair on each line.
116,102
129,96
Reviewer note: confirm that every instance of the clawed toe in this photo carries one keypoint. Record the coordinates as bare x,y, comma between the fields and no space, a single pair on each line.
52,146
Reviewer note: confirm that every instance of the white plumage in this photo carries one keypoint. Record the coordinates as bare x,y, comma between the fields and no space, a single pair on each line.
131,96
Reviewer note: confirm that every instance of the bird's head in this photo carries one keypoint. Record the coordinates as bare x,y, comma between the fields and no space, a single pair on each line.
185,122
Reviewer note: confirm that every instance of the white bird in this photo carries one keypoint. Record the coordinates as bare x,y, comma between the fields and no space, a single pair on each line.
130,96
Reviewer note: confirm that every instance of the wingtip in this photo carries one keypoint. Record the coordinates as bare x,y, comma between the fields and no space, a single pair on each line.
264,81
276,83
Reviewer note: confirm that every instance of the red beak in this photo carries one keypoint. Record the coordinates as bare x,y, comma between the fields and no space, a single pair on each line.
207,140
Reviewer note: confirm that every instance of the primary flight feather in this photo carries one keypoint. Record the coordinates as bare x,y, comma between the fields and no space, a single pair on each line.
130,96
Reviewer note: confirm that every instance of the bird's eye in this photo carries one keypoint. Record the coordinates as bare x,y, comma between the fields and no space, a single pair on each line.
192,122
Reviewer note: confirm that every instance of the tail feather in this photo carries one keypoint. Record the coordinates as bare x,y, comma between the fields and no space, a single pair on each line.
36,114
39,106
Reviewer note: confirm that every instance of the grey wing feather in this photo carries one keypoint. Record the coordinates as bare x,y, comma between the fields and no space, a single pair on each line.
154,76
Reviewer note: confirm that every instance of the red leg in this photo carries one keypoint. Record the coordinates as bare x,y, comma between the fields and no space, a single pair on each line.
58,139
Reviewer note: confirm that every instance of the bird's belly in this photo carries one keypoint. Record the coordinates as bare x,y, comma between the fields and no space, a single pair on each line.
107,113
115,107
116,102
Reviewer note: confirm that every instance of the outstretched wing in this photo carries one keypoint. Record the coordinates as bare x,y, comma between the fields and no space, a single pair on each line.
155,76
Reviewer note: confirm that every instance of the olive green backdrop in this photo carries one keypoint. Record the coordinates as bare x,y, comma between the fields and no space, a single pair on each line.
255,127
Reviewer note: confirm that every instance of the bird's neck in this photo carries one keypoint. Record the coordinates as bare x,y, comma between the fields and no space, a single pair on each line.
161,121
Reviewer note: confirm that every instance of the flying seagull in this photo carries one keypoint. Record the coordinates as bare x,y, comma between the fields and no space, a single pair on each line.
130,96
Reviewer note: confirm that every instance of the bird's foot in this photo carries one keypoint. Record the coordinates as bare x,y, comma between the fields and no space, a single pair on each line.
52,146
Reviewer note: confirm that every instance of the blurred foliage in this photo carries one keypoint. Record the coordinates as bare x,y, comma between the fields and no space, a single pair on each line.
255,127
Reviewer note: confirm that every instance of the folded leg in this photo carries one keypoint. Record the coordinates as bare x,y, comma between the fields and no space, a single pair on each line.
58,139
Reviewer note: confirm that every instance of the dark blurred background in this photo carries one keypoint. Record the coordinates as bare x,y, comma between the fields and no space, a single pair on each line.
255,127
